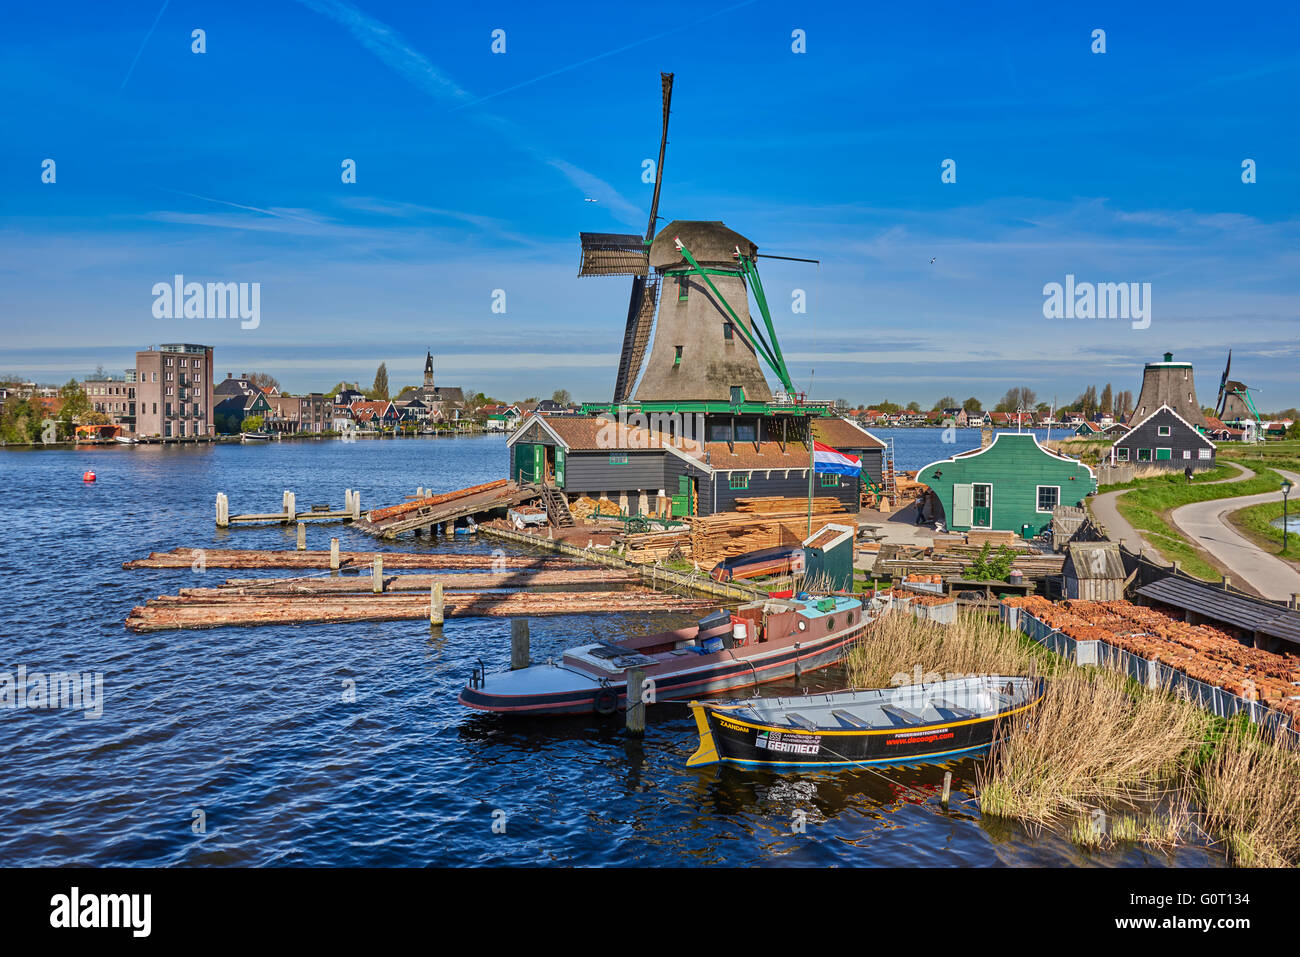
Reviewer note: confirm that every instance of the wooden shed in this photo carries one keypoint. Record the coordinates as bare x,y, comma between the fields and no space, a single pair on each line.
1093,571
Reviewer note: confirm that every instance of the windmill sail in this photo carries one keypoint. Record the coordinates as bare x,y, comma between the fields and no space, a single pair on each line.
1223,387
645,291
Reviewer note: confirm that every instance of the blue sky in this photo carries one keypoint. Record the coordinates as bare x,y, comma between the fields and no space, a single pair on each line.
473,169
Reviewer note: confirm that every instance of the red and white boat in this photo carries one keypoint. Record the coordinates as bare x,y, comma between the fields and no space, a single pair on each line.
766,640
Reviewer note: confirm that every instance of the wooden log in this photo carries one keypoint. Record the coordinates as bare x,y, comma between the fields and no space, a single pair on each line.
377,574
334,554
175,613
234,558
302,536
436,613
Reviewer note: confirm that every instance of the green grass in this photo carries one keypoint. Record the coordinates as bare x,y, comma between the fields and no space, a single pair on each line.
1256,523
1148,504
1218,473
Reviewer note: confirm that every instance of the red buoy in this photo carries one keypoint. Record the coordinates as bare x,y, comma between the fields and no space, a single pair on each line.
88,476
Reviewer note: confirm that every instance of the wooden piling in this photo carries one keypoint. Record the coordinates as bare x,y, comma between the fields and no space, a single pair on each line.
290,507
635,704
334,554
435,604
947,788
377,569
519,650
223,510
302,536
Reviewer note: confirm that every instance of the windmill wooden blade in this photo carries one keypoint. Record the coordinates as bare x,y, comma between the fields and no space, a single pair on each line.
636,336
613,254
1223,387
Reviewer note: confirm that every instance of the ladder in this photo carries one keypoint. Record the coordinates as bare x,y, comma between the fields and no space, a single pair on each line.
640,323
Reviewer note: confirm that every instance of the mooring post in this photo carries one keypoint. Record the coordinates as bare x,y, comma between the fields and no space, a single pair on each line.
947,788
302,536
435,603
519,651
356,505
635,701
796,660
223,510
334,554
290,509
377,569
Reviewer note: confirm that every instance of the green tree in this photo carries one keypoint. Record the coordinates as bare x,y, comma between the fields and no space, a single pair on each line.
913,407
1017,398
973,405
561,396
253,423
76,408
380,389
1107,401
947,402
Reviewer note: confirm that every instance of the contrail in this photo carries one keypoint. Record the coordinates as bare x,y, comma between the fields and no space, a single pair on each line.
143,43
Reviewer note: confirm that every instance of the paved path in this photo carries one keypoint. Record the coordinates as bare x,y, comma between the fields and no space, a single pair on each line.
1106,513
1206,524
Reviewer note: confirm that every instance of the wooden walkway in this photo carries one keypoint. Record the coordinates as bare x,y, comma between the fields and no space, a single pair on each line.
445,509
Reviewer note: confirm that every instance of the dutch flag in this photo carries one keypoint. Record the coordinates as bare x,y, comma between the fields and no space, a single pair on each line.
826,459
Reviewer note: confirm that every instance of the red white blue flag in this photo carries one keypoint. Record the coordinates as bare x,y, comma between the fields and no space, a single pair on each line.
826,459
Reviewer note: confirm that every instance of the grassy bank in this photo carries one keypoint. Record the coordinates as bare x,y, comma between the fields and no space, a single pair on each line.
1148,504
1103,760
1256,523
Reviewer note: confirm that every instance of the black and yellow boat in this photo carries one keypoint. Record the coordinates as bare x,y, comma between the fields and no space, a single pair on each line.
904,725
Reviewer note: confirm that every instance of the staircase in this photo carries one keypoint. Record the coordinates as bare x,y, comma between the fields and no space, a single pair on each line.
557,507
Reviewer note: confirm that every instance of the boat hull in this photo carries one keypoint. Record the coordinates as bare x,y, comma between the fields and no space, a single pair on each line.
728,737
714,674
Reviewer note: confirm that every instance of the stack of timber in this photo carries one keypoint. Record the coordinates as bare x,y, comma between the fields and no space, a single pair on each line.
650,547
952,561
444,509
759,523
176,612
233,558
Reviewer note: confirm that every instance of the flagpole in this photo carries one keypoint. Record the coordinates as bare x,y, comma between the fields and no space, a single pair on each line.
811,465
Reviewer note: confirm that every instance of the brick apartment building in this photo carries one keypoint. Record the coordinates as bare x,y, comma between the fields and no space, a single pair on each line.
174,391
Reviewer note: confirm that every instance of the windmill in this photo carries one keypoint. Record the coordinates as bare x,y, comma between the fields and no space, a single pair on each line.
707,347
623,254
1235,404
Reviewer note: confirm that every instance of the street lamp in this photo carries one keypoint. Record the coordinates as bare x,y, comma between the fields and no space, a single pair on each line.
1286,490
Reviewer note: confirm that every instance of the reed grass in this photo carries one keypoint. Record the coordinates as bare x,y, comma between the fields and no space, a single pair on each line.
1248,790
1163,771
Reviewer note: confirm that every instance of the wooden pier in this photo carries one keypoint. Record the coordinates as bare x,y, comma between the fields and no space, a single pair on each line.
289,514
433,511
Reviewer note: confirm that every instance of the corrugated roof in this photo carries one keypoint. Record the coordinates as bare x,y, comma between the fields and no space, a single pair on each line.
1241,611
1095,560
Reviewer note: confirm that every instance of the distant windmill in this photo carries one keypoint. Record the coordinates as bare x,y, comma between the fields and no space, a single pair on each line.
618,254
1234,403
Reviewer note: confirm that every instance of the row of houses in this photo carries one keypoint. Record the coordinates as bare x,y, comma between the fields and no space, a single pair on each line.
962,419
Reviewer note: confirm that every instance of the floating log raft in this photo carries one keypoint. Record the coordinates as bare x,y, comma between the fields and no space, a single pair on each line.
234,558
380,515
523,578
171,613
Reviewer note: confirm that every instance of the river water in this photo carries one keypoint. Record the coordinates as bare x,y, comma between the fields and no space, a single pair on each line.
235,746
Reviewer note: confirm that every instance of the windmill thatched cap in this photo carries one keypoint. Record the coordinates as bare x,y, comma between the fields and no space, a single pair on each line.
709,241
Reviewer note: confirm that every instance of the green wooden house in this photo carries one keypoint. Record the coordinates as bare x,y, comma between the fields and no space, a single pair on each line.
1011,485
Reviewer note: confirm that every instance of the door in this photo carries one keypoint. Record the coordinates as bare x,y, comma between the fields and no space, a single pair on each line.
559,467
961,506
682,500
539,462
982,506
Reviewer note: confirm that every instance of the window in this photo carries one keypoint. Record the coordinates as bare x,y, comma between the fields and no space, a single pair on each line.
739,480
1121,454
1187,453
746,431
1162,430
683,288
1049,496
678,359
727,330
980,496
1205,454
1144,455
618,458
737,394
830,480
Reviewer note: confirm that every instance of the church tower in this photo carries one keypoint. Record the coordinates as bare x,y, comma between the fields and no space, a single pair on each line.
428,370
